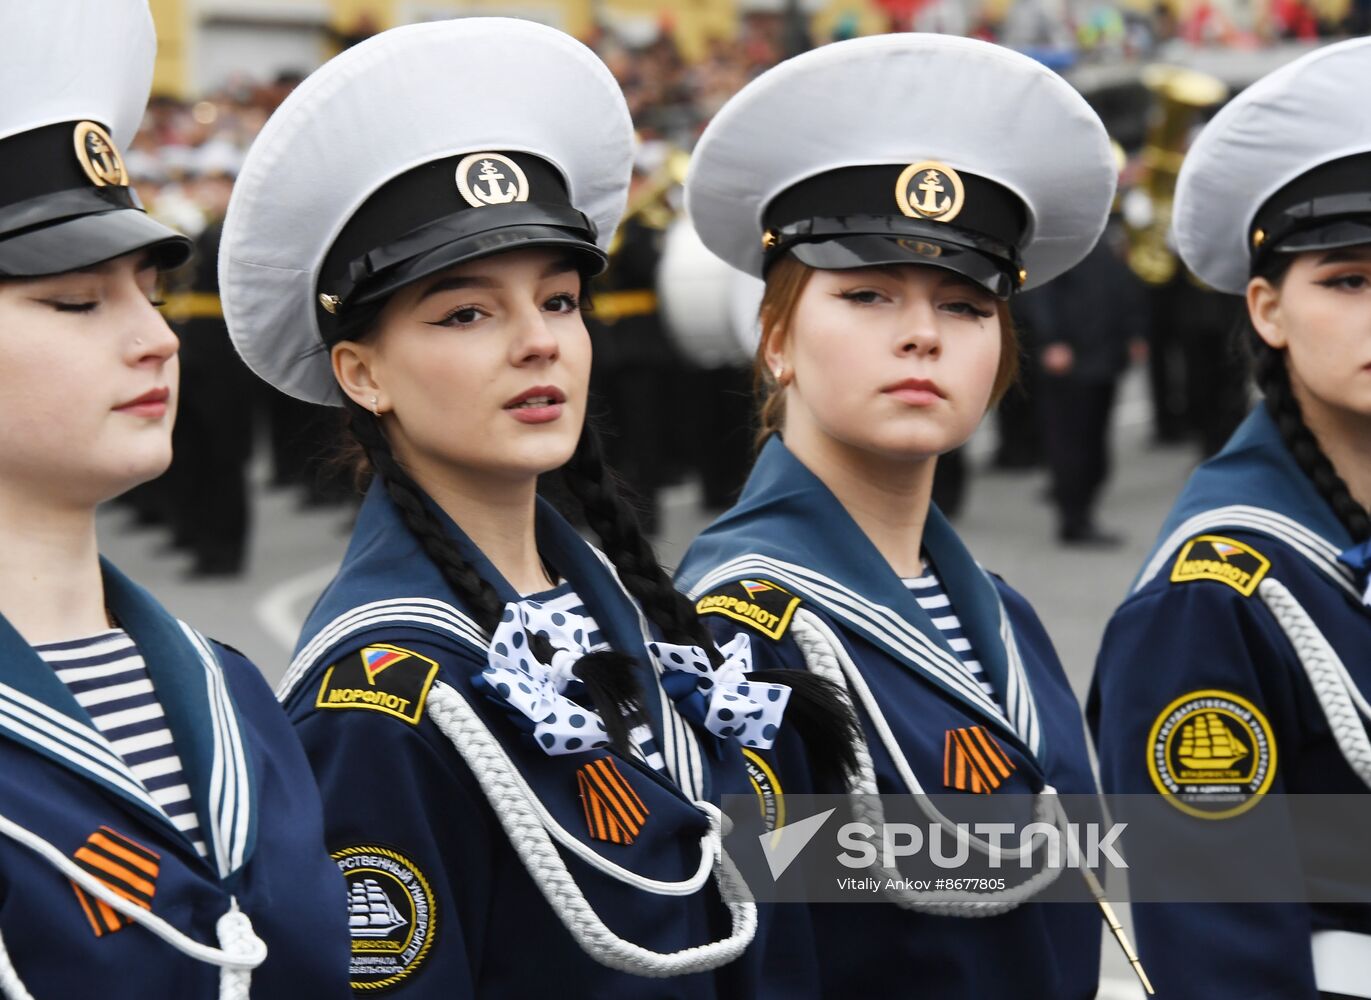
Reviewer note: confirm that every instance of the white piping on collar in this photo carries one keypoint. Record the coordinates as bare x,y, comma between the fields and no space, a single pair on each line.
421,611
230,788
877,621
1313,546
36,723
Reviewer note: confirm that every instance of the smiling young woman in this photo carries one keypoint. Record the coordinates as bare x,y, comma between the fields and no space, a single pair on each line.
147,777
521,739
889,251
1250,616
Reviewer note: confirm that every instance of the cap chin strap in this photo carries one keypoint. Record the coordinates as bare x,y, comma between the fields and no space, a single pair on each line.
898,227
825,655
240,949
1311,213
531,831
45,209
450,229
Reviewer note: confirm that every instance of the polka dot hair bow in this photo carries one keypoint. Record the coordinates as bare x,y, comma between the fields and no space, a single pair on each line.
721,698
535,690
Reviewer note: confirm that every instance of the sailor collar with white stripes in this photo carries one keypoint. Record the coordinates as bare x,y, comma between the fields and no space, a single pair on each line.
38,710
386,581
1254,485
770,534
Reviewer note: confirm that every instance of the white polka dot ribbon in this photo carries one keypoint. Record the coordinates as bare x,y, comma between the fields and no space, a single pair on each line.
723,699
536,690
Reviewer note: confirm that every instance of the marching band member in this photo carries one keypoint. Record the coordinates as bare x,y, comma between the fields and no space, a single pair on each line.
894,192
489,702
160,832
1236,665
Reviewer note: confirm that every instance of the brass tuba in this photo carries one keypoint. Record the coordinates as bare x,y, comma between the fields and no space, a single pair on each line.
1180,96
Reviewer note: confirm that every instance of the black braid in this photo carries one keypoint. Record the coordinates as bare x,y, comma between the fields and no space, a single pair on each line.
614,522
1270,371
821,714
609,677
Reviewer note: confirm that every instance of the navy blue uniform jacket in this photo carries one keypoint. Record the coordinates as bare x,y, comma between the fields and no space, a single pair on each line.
254,796
1196,626
396,789
789,531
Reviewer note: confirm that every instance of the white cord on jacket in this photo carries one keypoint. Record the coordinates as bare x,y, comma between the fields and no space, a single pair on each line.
1342,703
531,831
240,949
825,656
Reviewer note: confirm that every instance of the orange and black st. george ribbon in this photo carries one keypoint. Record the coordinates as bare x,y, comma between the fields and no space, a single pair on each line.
613,810
126,867
973,761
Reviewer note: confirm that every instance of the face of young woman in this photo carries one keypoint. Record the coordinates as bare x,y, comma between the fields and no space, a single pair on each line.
1321,315
485,367
895,361
89,382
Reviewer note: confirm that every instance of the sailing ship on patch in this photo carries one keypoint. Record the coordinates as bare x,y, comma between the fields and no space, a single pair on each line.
371,914
1209,745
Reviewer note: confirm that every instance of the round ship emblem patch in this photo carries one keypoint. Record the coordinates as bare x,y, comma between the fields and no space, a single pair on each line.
1211,753
391,916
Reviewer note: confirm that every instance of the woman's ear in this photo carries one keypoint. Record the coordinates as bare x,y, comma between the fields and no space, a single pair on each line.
1264,309
354,368
774,356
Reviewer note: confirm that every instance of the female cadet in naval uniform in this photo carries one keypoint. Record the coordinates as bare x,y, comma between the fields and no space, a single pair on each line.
160,833
512,794
1237,664
891,229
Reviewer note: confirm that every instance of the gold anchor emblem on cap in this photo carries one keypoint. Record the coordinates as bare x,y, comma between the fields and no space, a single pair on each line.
930,190
98,158
491,179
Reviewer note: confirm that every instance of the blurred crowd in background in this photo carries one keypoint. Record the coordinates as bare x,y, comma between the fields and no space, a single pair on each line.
667,416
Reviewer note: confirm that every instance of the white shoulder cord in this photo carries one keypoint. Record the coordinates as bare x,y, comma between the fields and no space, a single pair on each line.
825,655
531,831
1333,685
239,952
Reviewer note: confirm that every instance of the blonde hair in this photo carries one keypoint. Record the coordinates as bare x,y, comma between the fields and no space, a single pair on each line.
785,284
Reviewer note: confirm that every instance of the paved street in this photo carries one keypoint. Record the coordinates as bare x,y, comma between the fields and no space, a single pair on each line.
1006,524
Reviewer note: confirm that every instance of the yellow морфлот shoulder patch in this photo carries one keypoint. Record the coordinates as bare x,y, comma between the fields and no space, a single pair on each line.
1227,560
379,678
760,604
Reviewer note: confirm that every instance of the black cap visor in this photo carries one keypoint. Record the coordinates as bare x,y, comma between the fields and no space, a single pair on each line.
87,240
1330,236
846,252
590,259
1323,209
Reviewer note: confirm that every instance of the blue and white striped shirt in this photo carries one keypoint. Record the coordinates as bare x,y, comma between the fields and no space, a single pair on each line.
107,676
928,591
